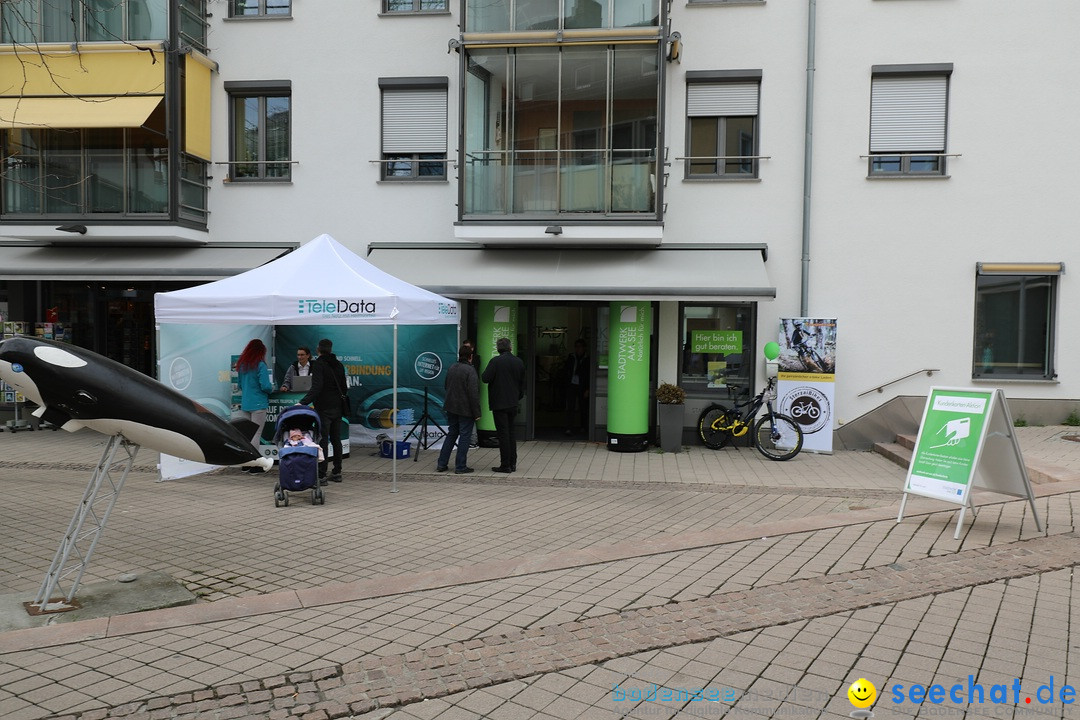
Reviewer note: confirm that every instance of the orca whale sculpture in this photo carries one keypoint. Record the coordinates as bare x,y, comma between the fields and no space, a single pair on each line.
76,388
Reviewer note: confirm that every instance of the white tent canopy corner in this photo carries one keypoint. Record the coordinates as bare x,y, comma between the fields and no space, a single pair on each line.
320,283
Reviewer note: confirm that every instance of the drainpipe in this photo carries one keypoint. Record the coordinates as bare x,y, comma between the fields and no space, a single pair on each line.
808,158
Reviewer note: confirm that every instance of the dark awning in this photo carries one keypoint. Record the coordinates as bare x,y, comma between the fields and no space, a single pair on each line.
670,272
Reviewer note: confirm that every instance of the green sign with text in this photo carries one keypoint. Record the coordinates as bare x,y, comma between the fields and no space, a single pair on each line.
722,342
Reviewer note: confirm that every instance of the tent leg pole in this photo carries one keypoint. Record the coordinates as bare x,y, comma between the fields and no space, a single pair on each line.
394,413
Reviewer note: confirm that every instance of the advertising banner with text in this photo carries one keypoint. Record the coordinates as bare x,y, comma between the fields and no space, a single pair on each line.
806,374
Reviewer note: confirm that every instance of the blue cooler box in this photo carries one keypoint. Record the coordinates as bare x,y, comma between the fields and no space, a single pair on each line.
403,449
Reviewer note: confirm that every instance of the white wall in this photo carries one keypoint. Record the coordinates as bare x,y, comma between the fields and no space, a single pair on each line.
893,260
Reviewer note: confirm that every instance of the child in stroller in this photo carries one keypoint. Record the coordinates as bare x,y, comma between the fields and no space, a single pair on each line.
297,439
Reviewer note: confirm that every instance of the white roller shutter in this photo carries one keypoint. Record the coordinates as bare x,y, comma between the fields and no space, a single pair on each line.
414,121
721,99
907,114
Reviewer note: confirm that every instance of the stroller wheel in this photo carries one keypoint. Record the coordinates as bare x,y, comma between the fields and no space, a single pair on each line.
277,499
320,496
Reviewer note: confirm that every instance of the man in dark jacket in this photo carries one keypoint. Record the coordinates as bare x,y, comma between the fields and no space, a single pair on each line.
328,389
462,406
505,377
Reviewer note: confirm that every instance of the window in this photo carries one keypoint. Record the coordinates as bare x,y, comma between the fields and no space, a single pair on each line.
415,6
414,128
717,341
556,130
86,172
908,110
45,21
1014,320
259,136
259,8
721,135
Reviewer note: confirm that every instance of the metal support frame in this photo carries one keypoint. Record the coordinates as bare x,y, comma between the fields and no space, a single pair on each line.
77,547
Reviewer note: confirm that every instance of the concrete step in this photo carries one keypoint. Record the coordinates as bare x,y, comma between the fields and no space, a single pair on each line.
1039,472
895,452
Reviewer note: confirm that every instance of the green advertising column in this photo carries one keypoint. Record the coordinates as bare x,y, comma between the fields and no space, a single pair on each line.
495,319
628,376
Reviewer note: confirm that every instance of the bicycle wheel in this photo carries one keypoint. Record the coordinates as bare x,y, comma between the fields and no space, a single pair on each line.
713,424
778,437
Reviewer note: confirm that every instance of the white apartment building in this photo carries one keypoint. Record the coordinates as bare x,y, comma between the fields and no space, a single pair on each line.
731,163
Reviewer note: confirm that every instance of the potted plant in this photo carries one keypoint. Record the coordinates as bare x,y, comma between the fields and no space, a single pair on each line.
669,416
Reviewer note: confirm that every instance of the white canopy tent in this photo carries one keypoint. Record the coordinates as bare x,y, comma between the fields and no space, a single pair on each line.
321,283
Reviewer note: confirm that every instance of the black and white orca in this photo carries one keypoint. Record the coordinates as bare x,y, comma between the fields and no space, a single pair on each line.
76,388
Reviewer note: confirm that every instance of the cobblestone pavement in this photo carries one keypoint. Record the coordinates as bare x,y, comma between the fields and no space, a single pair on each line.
622,591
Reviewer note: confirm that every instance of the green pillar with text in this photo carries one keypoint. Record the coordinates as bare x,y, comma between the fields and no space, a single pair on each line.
495,319
628,376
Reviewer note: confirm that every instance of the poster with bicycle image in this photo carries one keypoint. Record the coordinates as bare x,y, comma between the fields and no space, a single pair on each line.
806,374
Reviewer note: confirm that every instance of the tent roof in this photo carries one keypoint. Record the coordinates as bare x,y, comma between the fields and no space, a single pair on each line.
321,283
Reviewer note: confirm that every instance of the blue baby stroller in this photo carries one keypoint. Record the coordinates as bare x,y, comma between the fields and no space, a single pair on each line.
298,464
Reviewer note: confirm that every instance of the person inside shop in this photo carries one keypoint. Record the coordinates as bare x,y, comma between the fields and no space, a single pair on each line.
576,377
253,377
505,378
328,392
300,368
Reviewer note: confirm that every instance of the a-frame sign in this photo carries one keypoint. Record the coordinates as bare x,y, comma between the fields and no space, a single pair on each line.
966,441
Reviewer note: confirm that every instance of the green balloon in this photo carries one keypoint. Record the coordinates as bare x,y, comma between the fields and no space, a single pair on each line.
772,351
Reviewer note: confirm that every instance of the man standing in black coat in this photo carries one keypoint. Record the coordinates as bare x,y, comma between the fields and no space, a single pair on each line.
505,377
328,389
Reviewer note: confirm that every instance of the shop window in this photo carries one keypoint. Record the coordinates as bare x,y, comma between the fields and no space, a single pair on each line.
1015,320
717,343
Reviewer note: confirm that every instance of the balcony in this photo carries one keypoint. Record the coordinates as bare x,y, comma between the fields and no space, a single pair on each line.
539,184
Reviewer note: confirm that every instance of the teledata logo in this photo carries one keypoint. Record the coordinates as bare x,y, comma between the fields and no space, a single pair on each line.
335,307
448,309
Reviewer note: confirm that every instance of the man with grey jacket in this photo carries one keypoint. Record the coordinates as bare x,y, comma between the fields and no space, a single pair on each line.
462,406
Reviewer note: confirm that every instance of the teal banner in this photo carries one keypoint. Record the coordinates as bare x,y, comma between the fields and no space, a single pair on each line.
425,352
495,319
197,361
628,375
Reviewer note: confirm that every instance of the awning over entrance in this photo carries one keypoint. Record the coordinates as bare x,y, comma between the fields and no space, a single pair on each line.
73,112
671,272
23,261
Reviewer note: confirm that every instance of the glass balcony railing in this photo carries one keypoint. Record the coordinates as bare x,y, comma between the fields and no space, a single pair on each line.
484,16
552,182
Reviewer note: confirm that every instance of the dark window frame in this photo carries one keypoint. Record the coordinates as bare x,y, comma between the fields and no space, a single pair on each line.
720,168
404,166
1005,343
885,164
263,90
262,9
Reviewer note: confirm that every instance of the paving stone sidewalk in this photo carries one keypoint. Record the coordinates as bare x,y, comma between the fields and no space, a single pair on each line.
568,580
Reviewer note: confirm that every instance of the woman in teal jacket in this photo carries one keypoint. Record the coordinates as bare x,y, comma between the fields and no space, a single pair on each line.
255,388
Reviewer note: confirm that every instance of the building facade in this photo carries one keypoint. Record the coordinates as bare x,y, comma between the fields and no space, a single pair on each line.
729,163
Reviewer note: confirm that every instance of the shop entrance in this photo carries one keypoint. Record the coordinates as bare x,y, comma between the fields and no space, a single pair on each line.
560,410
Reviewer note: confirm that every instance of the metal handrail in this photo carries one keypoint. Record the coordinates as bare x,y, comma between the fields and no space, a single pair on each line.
929,373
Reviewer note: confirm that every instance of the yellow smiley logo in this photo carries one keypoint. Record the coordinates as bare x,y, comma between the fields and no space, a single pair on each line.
862,693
